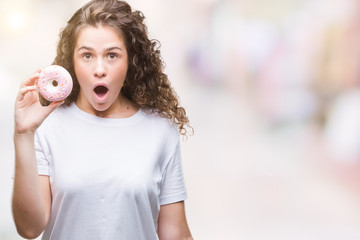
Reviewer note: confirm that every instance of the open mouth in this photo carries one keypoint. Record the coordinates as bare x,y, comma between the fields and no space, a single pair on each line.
101,91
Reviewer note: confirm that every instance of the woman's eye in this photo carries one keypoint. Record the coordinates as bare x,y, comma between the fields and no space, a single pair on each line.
87,56
112,55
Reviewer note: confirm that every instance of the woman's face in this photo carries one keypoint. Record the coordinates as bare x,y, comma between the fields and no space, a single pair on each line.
101,64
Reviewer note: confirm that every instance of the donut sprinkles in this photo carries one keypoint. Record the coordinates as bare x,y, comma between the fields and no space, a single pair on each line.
55,83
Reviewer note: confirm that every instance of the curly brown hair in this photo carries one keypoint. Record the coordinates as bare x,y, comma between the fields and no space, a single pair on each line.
146,83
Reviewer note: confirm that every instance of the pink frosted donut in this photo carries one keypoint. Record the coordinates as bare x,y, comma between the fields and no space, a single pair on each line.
55,83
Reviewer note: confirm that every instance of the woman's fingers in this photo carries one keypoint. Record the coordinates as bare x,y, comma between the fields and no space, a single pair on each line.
24,90
31,81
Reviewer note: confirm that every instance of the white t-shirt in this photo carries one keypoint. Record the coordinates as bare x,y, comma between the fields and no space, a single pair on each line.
108,176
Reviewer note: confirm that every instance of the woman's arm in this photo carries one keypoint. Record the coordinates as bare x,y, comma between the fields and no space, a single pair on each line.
31,200
172,224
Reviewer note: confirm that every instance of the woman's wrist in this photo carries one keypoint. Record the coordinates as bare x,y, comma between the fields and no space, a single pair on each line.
18,135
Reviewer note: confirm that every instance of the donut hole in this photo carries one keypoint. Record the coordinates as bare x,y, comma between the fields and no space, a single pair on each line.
52,85
55,83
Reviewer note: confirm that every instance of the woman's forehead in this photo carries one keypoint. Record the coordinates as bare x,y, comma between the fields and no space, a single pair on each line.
99,36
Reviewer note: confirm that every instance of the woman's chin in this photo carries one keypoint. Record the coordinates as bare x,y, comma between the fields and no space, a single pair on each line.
100,107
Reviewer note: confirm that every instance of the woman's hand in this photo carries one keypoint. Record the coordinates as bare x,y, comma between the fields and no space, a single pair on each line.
29,113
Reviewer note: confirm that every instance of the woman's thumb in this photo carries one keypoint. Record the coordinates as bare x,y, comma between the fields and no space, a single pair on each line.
52,106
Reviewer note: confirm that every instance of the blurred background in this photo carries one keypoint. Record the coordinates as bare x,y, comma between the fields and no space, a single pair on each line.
272,89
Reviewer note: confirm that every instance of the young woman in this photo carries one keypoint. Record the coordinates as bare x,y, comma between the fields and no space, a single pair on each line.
106,164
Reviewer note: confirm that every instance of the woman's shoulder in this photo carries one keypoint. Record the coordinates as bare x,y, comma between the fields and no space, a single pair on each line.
160,122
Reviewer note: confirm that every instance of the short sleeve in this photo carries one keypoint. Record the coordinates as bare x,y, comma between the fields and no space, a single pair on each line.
42,162
172,187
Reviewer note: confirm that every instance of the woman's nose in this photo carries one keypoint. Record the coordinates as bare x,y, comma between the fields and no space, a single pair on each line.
100,69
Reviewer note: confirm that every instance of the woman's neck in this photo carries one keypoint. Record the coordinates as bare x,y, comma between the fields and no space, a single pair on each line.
121,108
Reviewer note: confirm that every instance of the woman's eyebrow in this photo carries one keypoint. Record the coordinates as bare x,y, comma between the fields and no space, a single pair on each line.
113,48
91,49
85,48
